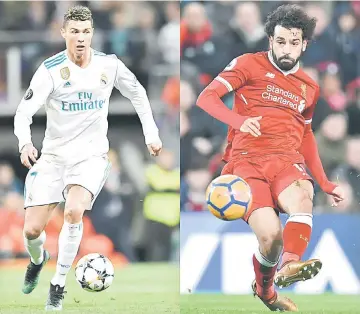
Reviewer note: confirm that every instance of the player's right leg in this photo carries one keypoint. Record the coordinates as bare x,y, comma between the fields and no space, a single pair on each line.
43,191
267,228
36,218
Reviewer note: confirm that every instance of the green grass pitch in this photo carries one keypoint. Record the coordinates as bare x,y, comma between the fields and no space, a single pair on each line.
229,304
148,289
138,288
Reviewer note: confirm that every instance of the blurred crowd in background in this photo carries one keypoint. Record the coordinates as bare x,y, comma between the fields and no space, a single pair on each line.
213,33
136,215
141,33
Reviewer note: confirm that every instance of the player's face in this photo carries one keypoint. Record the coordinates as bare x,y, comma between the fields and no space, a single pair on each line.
78,36
287,46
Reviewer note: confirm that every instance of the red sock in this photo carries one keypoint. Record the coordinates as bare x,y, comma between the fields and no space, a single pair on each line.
264,276
296,236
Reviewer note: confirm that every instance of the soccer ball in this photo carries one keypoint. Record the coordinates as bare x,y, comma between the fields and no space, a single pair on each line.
228,197
94,272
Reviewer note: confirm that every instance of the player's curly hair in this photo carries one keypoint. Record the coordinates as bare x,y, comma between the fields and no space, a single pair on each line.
78,13
290,16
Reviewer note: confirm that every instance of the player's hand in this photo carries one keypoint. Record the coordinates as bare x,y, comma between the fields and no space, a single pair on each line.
28,153
338,195
252,126
155,148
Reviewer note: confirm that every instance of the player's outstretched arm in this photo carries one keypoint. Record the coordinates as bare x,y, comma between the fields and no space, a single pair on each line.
128,85
312,160
39,90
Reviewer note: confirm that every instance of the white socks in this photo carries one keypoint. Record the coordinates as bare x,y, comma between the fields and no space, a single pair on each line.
35,248
263,260
69,242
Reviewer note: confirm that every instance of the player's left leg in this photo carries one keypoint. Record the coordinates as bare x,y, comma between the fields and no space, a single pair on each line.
266,225
297,201
78,200
83,182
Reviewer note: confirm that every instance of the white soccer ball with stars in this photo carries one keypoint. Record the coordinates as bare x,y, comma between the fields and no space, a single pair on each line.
94,272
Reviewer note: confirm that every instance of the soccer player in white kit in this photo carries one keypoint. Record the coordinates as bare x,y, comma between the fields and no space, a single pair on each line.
74,86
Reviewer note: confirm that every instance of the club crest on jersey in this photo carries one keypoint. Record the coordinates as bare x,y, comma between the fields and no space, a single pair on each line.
103,79
65,73
303,90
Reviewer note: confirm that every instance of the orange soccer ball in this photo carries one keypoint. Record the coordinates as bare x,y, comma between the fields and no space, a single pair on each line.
228,197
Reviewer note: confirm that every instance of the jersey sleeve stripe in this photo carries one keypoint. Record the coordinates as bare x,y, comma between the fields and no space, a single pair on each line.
98,53
225,82
308,121
52,60
55,63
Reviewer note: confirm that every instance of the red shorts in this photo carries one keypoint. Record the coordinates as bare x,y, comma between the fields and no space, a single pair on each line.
267,176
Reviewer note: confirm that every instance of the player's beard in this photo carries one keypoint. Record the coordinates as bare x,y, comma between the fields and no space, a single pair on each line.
285,65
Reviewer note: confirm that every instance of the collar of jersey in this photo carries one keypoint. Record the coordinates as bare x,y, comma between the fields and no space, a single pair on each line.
91,59
292,71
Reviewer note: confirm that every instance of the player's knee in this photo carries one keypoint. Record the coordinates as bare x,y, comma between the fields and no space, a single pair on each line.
306,206
73,215
32,232
305,202
271,241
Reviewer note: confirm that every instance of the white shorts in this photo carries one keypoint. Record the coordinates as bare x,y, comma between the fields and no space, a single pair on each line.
47,181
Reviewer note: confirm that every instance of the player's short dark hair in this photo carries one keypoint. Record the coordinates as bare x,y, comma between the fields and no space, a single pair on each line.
290,16
78,13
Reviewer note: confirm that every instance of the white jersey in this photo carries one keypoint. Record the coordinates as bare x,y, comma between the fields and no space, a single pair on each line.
76,102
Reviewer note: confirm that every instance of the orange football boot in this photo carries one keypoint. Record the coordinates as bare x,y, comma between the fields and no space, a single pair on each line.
295,271
277,302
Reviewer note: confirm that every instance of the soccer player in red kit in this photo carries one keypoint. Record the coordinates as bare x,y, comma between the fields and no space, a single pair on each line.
269,143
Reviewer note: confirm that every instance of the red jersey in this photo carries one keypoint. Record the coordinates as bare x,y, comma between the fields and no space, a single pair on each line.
285,100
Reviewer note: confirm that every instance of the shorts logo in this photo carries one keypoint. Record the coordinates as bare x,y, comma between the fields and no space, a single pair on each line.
29,94
65,73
